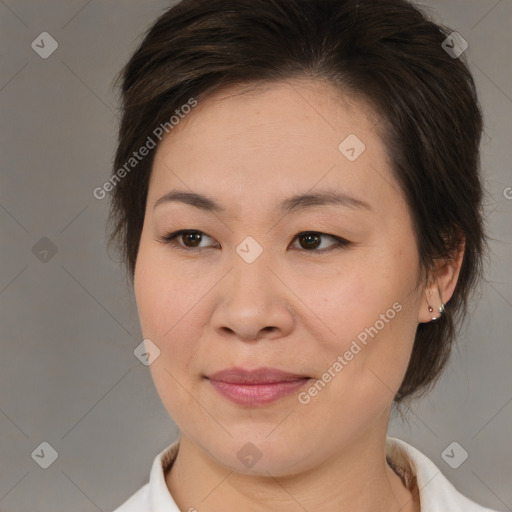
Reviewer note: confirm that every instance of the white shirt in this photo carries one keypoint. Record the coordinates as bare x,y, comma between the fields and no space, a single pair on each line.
437,494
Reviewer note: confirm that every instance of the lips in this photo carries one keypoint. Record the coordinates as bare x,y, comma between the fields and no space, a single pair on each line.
256,387
257,376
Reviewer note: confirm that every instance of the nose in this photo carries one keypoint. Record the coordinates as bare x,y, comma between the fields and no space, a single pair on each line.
253,302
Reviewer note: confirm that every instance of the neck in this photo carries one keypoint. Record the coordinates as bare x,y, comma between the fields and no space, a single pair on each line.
358,480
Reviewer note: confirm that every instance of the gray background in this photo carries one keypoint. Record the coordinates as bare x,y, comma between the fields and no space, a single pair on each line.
69,325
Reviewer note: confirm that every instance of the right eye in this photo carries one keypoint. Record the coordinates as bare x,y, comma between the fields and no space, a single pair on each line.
192,237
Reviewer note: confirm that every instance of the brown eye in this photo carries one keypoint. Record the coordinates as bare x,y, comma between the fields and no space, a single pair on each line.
185,239
311,240
191,238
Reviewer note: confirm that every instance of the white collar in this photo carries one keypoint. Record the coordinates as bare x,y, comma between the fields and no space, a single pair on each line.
437,494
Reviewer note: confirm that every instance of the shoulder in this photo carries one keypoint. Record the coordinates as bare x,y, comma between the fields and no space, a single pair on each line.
437,494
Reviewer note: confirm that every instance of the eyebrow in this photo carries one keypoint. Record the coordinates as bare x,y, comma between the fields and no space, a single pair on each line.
292,204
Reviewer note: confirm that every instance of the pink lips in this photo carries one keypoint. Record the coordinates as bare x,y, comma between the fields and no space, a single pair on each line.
256,387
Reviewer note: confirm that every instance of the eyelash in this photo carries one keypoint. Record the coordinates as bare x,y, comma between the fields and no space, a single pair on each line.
171,240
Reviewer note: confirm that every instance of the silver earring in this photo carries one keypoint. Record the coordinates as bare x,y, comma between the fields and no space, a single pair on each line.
441,311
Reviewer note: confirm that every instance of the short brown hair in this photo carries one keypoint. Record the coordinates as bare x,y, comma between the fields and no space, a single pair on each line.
387,52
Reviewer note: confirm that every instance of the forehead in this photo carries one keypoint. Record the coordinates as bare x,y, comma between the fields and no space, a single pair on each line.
265,142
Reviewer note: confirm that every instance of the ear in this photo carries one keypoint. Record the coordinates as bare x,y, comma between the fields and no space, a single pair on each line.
441,285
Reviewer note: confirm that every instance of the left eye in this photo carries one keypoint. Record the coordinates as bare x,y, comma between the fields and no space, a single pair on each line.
309,240
312,240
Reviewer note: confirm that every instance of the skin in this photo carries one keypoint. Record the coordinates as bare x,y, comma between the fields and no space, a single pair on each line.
292,308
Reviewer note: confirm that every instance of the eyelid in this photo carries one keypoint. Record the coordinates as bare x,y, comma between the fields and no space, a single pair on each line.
338,242
171,238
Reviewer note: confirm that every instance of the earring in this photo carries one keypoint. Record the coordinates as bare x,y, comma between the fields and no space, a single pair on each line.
440,309
430,308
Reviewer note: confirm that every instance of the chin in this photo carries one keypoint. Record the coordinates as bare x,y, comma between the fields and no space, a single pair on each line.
253,455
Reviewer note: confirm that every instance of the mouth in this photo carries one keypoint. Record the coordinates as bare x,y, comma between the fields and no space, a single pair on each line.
256,387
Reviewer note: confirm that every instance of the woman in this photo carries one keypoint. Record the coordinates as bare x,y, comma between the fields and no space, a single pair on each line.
297,199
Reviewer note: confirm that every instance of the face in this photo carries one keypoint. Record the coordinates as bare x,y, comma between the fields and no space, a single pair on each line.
319,295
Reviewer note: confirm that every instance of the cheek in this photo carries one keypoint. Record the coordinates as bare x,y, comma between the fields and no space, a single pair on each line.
373,318
164,297
354,299
165,303
172,314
